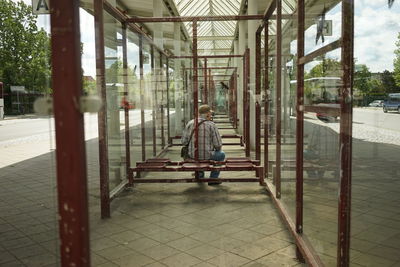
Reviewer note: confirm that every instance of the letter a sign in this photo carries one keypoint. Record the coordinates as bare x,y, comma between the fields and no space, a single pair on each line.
40,7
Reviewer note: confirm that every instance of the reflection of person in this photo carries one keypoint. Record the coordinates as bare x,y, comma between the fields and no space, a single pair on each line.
210,142
322,148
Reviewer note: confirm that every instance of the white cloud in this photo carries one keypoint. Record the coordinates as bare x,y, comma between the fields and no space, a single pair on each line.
376,29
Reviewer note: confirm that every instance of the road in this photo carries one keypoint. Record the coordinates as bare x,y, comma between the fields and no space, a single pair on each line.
34,128
28,137
375,117
21,139
29,129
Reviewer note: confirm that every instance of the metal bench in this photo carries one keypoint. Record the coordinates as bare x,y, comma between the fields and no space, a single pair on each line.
166,165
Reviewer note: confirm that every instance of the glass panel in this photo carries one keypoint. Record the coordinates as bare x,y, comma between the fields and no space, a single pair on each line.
158,99
375,220
115,89
323,23
165,102
28,187
321,153
271,101
288,140
148,100
134,98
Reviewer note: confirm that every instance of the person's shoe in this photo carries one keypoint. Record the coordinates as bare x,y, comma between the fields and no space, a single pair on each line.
214,183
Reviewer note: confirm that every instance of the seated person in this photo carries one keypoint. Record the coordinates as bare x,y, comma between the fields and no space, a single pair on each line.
210,142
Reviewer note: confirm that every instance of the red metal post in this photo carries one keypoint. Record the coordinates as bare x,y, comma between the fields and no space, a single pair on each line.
126,104
278,87
141,86
258,93
195,92
247,104
154,80
212,68
230,105
235,101
300,122
212,89
209,56
70,137
205,82
346,119
244,102
162,103
266,98
168,119
102,114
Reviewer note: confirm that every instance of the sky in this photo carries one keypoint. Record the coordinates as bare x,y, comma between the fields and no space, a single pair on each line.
376,30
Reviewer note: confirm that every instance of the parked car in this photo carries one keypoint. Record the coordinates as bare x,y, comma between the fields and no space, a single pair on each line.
376,103
392,103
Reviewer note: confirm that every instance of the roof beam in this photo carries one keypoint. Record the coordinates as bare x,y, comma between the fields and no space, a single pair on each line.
226,50
215,38
195,18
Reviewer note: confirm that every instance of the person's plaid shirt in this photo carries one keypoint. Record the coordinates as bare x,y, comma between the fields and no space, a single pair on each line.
209,139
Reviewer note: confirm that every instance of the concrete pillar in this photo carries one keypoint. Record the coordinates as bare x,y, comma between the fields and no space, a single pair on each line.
242,48
178,81
252,25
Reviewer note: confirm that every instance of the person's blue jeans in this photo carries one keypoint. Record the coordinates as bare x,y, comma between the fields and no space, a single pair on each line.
217,156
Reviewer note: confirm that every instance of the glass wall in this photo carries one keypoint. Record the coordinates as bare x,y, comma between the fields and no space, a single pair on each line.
288,116
322,87
375,218
134,103
115,91
321,153
271,95
147,102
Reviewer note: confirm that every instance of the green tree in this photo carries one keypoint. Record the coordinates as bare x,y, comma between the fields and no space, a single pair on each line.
24,50
328,67
389,83
362,77
396,62
376,87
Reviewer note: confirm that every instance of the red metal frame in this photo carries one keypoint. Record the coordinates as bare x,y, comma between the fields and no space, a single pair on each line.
154,106
168,118
266,97
193,19
346,43
212,68
208,56
72,190
205,98
195,94
230,164
258,94
246,105
346,119
300,123
278,87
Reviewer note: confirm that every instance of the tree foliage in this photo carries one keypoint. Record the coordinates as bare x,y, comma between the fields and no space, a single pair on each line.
328,67
388,82
24,49
362,77
396,62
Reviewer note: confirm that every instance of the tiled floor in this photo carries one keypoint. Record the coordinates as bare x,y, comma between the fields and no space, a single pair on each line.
234,224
